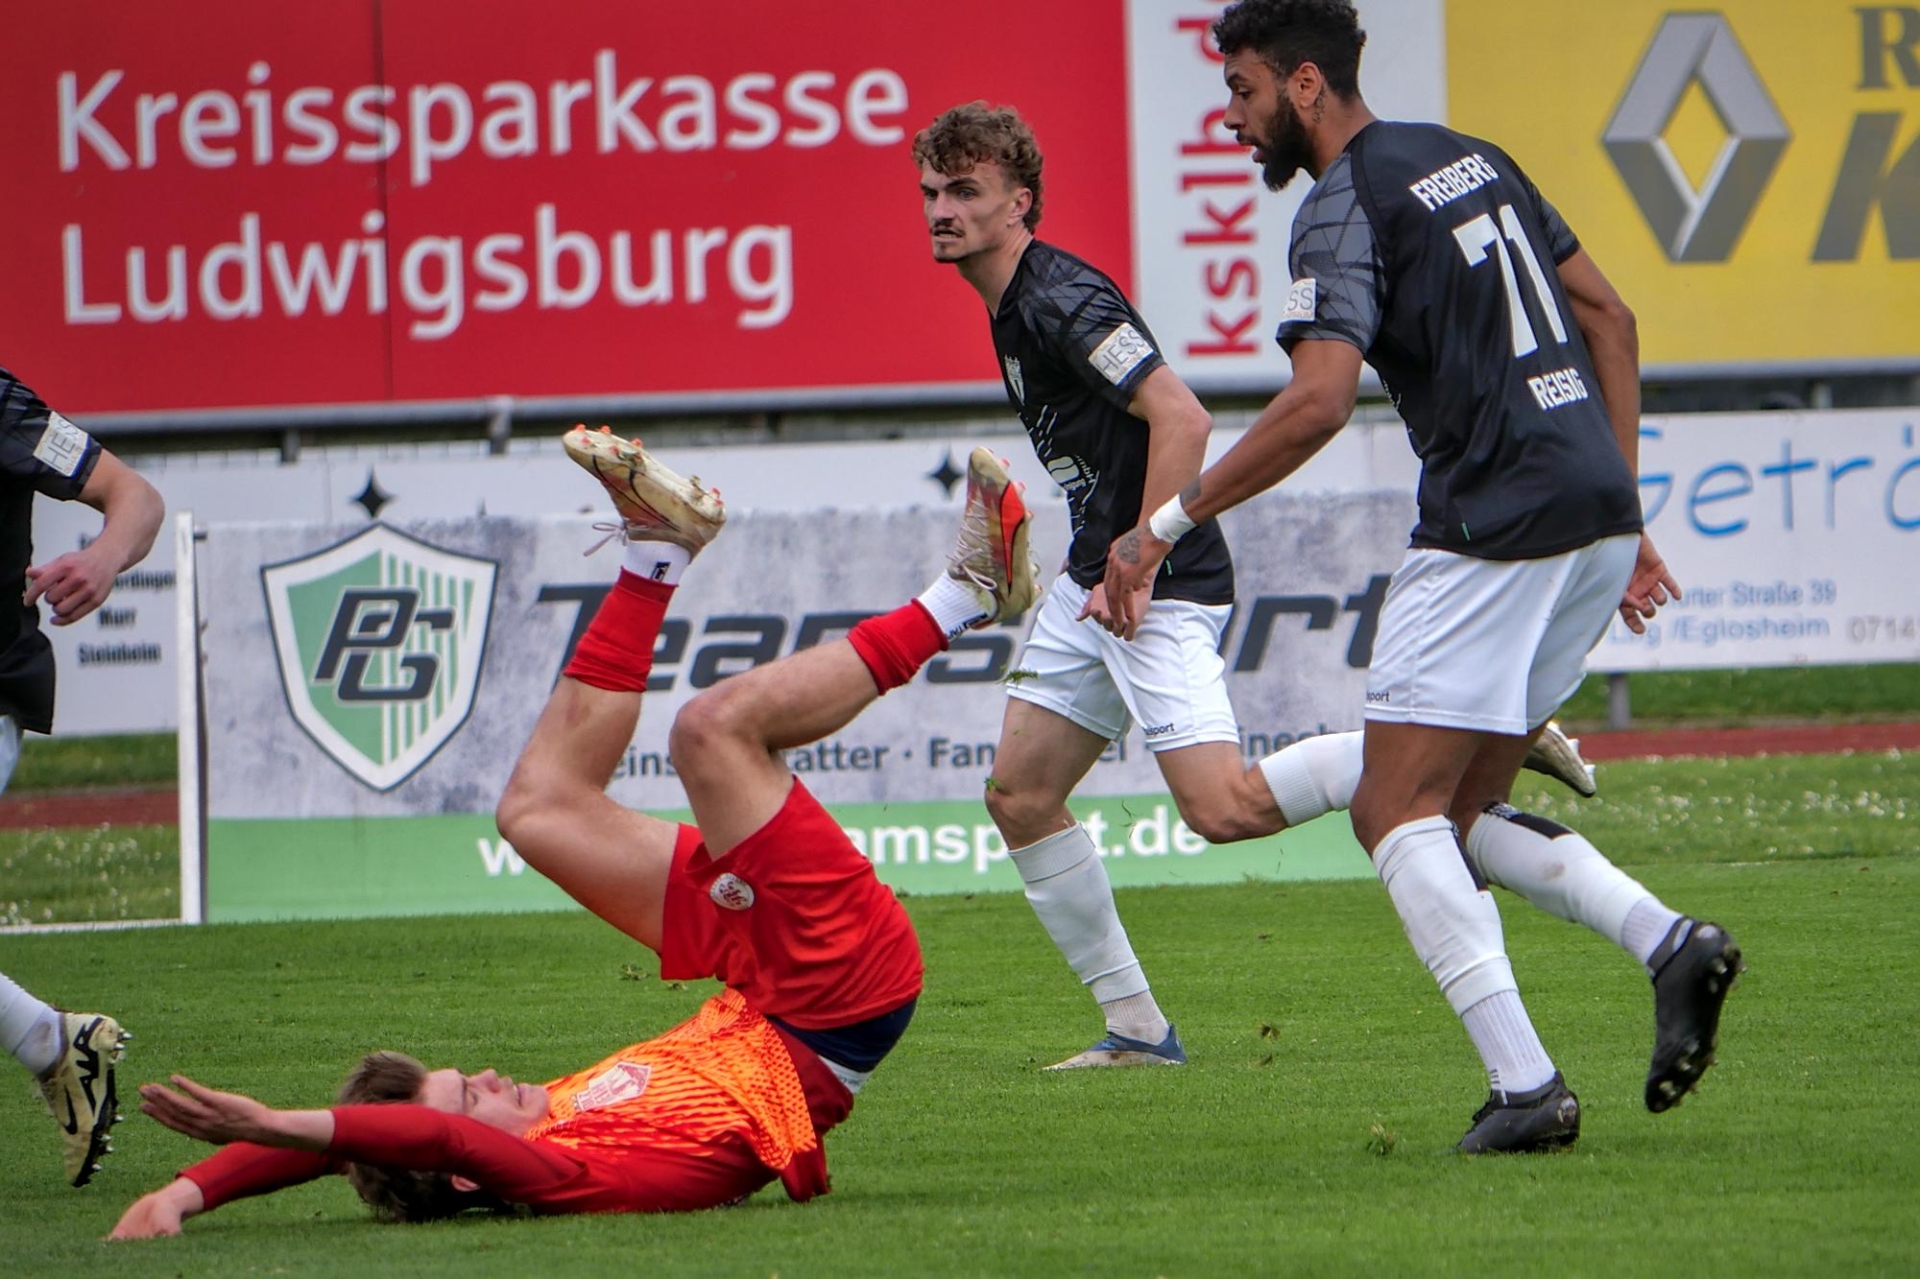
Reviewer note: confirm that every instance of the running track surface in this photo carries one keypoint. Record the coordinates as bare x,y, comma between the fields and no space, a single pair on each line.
161,808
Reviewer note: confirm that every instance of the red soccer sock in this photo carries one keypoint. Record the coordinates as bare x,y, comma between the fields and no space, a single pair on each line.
616,653
895,645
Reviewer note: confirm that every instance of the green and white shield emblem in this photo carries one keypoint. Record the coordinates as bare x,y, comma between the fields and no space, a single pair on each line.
380,639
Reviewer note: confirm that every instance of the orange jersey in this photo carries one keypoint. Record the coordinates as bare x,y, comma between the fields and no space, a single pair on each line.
724,1072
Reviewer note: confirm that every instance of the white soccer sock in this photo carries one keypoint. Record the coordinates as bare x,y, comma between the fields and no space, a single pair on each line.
29,1029
1560,872
1455,929
1503,1033
658,561
1314,776
1067,885
954,605
1648,925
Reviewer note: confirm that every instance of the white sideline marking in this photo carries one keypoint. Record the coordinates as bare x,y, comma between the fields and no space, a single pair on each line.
90,926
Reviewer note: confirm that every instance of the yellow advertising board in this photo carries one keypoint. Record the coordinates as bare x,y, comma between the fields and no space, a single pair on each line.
1747,172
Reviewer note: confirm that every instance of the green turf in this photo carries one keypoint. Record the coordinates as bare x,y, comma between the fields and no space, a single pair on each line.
68,763
86,873
1731,697
1310,1135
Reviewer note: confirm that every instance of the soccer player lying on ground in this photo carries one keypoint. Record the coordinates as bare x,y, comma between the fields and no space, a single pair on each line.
767,893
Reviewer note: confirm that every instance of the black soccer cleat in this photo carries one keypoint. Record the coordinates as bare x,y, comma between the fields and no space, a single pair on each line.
1548,1118
1693,970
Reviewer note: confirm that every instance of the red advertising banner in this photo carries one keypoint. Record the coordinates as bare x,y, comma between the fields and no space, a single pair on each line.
222,203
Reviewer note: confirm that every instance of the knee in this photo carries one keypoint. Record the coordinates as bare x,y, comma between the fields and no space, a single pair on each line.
523,797
702,725
1019,814
1372,816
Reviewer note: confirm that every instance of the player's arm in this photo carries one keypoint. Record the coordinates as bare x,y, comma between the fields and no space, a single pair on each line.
78,582
267,1150
1294,426
1613,341
1177,429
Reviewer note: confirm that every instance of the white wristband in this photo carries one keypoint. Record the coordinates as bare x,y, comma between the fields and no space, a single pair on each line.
1171,522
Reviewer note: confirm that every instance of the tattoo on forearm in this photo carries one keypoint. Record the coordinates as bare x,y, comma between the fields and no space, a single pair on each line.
1190,494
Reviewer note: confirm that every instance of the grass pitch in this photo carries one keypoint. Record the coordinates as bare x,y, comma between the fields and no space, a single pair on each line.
1312,1133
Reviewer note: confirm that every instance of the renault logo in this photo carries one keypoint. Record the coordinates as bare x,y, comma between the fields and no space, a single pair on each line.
1702,225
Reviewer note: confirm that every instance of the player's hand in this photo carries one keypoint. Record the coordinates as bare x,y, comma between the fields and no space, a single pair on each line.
1650,587
1132,562
208,1114
159,1213
73,584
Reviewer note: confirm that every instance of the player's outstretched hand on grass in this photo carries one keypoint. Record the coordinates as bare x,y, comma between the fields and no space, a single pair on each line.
222,1117
159,1212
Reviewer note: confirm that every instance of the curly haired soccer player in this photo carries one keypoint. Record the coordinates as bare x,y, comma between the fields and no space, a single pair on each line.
766,893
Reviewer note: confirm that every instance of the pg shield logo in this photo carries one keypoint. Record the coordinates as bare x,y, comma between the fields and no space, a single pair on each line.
380,640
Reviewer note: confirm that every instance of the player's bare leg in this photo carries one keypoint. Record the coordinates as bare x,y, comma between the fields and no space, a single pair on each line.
1408,784
557,815
726,743
1693,963
555,810
1219,798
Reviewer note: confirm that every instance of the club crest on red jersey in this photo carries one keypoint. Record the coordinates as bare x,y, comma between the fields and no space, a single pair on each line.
730,892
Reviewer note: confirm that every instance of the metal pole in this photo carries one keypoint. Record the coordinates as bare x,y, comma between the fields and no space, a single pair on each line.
1619,706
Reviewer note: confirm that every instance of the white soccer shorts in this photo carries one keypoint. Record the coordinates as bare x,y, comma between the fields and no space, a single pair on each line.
1492,645
1170,678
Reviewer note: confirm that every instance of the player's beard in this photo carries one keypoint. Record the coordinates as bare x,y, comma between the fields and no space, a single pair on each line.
1285,149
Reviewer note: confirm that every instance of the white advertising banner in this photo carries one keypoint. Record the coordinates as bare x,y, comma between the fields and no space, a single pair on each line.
315,705
117,667
1795,538
369,687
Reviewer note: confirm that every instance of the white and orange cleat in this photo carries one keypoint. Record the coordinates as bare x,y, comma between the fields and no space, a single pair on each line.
991,555
656,504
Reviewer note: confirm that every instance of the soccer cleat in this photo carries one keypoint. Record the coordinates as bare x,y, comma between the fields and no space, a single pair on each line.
1693,970
79,1090
1115,1049
656,504
990,555
1547,1118
1558,756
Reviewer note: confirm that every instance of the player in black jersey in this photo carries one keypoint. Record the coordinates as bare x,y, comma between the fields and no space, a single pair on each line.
1515,364
70,1054
1121,434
